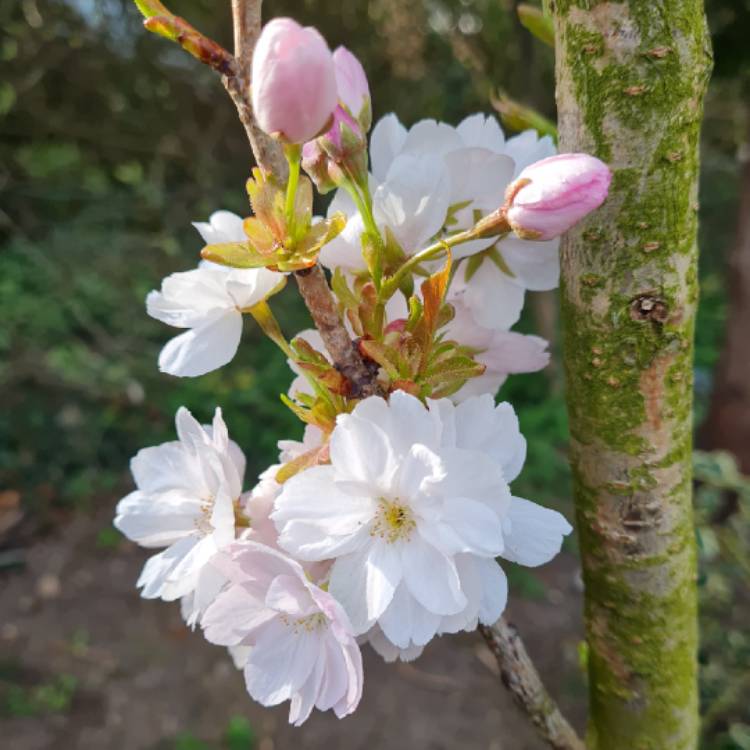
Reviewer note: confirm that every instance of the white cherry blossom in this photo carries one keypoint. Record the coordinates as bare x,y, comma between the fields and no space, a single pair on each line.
208,301
411,201
419,179
523,264
293,639
412,510
184,501
474,153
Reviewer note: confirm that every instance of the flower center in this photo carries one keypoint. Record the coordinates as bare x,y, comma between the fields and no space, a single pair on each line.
309,624
393,521
203,521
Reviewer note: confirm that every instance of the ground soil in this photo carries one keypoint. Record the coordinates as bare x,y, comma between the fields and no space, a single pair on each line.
142,678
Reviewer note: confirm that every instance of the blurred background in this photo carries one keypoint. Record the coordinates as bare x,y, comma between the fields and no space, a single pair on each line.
111,142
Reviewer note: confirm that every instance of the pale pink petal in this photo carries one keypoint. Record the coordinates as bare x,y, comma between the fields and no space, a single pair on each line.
235,616
281,660
483,132
204,348
387,140
534,534
431,578
494,590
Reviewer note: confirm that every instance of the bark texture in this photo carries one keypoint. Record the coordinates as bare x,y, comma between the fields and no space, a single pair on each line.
728,423
631,77
519,675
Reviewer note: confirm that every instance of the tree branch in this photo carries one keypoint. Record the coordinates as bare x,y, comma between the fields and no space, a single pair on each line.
317,295
516,669
522,680
246,16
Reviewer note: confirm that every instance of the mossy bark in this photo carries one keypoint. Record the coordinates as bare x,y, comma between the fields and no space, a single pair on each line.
631,77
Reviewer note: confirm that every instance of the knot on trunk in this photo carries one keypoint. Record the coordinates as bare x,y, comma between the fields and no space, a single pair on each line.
647,307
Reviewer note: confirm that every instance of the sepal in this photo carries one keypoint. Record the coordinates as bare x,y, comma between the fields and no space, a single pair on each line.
273,242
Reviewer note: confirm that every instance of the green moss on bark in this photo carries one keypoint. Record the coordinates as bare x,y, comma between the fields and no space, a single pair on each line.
631,77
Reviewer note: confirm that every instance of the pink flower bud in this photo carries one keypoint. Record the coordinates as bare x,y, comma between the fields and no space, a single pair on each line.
552,195
315,162
293,81
341,151
354,91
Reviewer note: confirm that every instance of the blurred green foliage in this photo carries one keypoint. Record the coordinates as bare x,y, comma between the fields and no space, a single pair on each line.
722,502
112,141
51,697
239,735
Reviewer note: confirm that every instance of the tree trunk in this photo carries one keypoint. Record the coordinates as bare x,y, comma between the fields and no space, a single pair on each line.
728,422
631,77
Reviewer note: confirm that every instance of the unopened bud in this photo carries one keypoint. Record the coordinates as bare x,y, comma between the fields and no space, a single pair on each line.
353,88
552,195
315,162
340,153
294,88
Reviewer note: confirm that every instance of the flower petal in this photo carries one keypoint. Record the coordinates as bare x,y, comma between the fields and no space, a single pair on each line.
494,590
222,226
281,661
534,534
432,578
414,199
361,451
535,265
494,298
157,521
387,139
235,616
483,132
204,348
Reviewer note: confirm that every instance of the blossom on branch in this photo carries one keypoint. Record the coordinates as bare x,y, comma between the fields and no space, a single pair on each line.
184,501
385,523
293,81
209,301
412,510
298,643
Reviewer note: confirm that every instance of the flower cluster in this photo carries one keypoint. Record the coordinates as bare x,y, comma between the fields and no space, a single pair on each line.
385,524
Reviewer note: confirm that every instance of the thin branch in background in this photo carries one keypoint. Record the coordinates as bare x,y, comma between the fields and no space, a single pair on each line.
522,680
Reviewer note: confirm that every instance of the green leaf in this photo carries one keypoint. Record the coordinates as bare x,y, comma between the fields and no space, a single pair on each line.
265,318
151,8
342,291
384,355
518,117
433,294
238,255
239,734
538,23
320,234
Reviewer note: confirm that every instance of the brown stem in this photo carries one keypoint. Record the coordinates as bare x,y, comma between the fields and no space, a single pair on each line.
246,16
319,300
522,680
